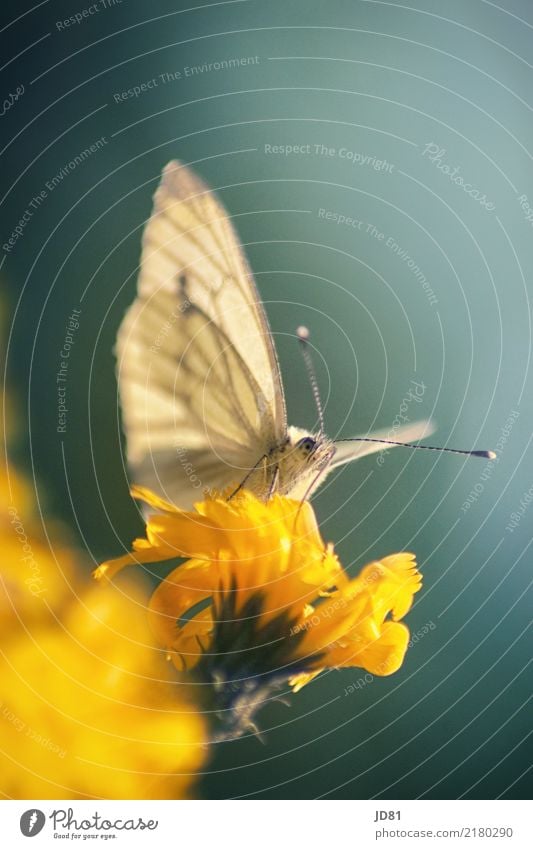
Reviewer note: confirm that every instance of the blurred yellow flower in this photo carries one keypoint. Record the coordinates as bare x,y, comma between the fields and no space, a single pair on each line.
37,568
89,709
262,600
88,706
37,571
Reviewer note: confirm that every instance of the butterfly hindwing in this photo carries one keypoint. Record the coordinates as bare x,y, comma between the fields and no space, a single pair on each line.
198,375
348,450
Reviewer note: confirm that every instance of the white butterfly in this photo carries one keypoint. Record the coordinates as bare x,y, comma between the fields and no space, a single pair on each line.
202,400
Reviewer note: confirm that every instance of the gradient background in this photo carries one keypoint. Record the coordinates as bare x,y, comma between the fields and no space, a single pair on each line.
383,80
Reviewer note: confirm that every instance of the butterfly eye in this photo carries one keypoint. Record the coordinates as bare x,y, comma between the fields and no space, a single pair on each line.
306,444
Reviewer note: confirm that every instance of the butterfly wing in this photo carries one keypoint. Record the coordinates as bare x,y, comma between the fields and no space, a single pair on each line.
331,455
199,381
345,452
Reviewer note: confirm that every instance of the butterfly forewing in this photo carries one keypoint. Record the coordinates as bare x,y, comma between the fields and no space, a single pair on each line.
199,381
348,450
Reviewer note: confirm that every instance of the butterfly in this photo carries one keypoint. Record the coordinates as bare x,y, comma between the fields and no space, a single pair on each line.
202,400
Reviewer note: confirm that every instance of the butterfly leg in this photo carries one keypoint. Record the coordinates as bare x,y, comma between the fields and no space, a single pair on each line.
324,467
273,483
248,476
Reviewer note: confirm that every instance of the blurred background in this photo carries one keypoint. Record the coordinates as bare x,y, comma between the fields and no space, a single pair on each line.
377,160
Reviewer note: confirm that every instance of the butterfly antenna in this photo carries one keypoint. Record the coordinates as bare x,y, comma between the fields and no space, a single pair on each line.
303,335
487,455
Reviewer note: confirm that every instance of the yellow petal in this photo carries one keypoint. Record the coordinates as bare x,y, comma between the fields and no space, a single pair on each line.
301,680
185,587
143,553
351,629
142,493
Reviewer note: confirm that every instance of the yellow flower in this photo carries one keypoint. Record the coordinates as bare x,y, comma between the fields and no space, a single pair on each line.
262,600
37,570
36,579
89,708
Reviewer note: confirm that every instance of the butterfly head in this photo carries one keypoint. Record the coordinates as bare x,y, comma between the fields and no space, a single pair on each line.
299,460
306,445
308,449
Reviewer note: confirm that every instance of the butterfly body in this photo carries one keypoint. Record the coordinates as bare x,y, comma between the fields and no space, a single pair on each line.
294,467
202,401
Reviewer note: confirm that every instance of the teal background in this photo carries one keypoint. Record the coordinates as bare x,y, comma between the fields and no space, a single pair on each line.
383,80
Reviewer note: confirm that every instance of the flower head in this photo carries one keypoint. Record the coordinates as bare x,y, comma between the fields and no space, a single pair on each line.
262,601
